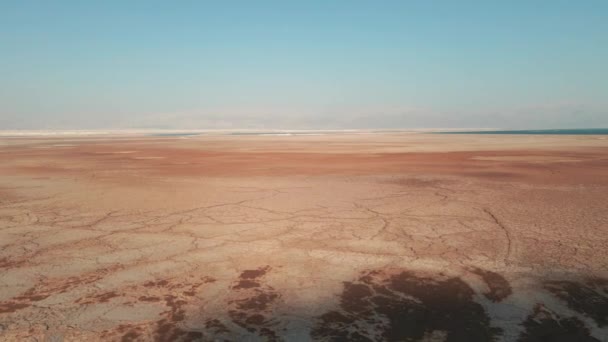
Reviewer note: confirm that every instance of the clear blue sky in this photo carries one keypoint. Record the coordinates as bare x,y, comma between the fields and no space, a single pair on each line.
303,64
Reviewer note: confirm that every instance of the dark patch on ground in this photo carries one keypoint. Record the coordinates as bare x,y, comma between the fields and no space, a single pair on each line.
404,306
169,331
46,289
100,298
254,274
188,290
245,284
589,297
545,326
23,301
498,287
159,283
258,302
130,336
8,263
254,306
169,328
33,295
8,307
128,332
217,326
248,279
133,334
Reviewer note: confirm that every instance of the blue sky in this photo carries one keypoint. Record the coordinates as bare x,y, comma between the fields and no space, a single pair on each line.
303,64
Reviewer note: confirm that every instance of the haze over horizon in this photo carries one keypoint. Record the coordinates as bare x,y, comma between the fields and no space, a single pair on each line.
313,65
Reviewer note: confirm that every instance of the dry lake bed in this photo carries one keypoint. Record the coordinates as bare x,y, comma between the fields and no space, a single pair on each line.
339,237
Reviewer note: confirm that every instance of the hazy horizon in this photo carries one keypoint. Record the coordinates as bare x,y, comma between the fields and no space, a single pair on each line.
274,65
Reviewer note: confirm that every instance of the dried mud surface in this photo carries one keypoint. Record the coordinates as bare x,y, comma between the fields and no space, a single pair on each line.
382,237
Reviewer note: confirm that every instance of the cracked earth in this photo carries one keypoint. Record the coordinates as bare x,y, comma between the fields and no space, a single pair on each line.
380,237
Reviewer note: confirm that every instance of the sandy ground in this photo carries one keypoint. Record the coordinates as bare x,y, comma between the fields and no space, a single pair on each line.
417,237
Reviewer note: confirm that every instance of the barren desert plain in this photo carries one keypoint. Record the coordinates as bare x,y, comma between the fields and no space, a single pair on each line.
335,237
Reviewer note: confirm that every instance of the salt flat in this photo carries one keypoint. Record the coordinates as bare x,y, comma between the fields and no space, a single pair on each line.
384,236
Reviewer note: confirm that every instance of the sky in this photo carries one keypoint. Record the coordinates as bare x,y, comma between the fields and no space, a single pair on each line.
303,64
